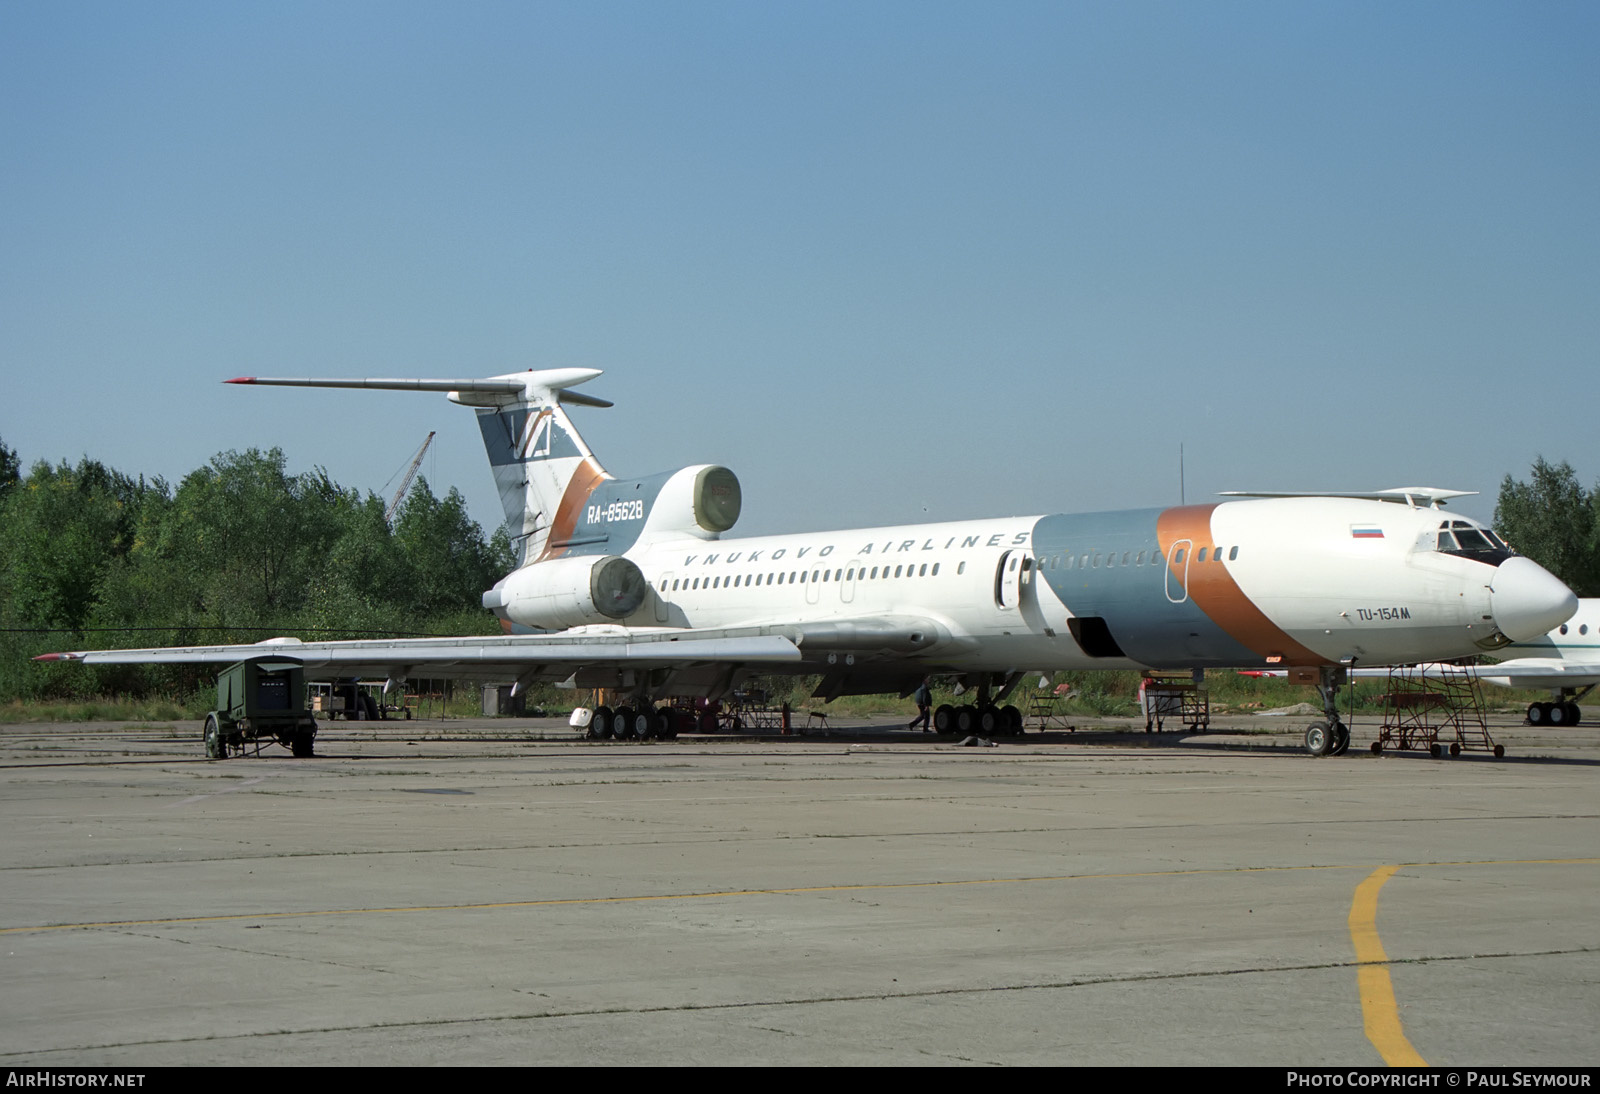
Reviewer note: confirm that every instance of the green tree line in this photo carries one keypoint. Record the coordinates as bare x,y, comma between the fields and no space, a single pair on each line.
239,551
1553,520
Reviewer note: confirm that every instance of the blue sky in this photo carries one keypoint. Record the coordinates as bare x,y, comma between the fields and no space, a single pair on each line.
889,262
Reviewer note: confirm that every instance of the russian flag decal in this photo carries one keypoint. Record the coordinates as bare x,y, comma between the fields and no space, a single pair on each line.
1365,531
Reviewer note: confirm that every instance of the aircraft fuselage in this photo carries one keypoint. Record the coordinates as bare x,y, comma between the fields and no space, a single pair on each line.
1283,581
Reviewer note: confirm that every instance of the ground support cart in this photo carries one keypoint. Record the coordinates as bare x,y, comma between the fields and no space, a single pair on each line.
1183,698
1044,708
260,702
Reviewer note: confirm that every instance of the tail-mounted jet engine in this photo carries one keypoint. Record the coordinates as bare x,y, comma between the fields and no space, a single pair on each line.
569,592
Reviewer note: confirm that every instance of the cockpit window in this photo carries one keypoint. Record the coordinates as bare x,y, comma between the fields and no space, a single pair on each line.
1460,537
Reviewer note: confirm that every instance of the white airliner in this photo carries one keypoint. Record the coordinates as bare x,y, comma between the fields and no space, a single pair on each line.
1566,662
635,588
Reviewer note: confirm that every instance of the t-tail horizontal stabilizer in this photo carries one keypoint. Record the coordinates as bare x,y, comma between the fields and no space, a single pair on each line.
535,386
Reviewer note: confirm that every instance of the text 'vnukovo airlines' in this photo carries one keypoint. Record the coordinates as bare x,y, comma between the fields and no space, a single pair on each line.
636,588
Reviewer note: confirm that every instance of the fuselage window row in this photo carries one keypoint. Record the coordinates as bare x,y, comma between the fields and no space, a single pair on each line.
800,577
1095,560
1088,560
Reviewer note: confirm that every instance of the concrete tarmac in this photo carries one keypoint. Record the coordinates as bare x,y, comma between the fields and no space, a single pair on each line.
497,892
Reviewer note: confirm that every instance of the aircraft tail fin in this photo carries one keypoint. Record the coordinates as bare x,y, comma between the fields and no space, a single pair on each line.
542,468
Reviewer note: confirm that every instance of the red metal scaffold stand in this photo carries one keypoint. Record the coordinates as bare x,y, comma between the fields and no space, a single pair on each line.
1436,709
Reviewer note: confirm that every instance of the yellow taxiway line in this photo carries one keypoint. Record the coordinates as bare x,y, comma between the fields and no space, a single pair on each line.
1380,1013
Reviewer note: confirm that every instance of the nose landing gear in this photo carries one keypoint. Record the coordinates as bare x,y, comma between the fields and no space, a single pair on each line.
1329,737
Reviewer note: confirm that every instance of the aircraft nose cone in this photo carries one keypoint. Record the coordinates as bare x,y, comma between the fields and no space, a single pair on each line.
1527,600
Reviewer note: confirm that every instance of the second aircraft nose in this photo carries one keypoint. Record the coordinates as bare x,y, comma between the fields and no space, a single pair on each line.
1527,600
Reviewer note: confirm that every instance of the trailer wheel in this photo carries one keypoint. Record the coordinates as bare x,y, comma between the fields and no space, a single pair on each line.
303,744
215,748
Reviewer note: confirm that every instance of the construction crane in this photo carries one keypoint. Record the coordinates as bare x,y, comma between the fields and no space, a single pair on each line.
405,483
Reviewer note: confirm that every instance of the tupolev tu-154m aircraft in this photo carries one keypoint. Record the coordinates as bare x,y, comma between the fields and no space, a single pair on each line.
632,585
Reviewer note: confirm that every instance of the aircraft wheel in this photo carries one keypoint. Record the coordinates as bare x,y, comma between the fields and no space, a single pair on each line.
1319,738
1574,714
1341,739
666,724
600,725
1536,714
644,724
215,749
990,721
966,720
622,724
1557,714
1013,719
944,719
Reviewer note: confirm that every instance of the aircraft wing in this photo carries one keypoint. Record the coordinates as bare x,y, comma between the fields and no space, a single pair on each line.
559,656
1541,672
493,658
1519,672
1373,672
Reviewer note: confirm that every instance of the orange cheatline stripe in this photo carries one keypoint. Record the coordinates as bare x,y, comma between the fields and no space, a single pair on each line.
1215,592
588,475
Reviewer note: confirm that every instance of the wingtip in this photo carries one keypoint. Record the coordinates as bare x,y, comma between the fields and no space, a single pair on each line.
55,657
241,380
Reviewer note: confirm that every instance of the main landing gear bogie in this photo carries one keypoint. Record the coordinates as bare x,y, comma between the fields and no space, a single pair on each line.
986,719
1565,713
640,723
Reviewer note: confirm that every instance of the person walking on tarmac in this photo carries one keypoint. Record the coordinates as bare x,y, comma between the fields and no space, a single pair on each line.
924,699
